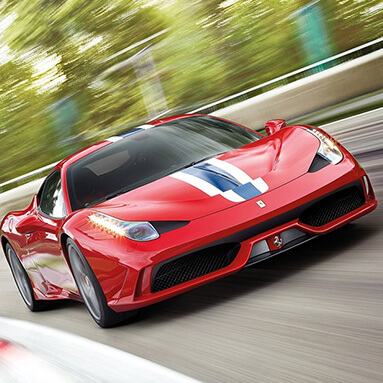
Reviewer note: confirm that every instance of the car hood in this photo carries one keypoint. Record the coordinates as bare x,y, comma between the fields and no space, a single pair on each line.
220,183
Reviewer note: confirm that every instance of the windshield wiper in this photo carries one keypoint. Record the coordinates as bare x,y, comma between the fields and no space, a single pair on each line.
123,191
117,193
193,163
108,196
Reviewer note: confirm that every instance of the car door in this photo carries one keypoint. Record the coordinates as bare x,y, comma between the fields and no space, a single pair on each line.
44,245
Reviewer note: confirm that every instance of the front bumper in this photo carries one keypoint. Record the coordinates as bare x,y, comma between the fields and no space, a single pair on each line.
252,231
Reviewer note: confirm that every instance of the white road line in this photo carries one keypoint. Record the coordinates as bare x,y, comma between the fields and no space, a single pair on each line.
353,117
19,365
81,359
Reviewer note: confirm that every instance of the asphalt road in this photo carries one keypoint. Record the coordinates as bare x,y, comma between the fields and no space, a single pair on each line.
313,314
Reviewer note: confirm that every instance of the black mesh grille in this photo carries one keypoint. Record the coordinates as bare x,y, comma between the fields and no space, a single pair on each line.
333,207
194,265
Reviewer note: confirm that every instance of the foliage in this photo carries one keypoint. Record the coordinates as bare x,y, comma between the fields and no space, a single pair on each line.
55,51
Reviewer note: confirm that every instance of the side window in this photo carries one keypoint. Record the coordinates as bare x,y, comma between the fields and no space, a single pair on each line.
51,198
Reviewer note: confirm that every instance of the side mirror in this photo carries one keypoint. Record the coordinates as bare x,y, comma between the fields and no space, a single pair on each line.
32,224
274,126
28,225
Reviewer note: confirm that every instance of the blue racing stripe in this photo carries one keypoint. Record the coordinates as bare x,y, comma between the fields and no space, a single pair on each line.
220,182
129,132
247,191
214,169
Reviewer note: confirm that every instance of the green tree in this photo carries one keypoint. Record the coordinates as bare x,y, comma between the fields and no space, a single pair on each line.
64,49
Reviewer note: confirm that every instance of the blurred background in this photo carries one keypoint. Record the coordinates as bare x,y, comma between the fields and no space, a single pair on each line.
74,72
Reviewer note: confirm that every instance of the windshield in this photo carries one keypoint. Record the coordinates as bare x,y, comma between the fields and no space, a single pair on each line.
150,154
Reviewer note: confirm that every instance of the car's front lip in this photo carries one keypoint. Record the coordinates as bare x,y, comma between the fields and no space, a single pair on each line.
240,225
242,260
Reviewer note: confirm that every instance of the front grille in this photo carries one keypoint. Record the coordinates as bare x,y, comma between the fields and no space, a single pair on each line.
333,207
193,265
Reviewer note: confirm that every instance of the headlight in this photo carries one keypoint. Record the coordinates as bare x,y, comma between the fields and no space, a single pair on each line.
137,231
327,149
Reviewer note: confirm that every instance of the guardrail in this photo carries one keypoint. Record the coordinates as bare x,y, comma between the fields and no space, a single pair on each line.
244,95
317,67
34,175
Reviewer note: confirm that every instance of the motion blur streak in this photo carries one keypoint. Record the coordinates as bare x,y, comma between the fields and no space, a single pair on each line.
361,134
12,356
314,314
71,72
48,355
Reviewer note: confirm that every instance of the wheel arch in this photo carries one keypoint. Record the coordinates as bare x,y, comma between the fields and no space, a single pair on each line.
63,242
4,241
111,275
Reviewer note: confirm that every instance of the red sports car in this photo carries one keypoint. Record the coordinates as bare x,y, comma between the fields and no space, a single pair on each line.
174,204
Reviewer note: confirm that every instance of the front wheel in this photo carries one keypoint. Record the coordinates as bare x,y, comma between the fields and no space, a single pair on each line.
90,290
22,281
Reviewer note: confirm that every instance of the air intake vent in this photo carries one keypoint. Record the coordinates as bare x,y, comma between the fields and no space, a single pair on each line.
333,207
193,265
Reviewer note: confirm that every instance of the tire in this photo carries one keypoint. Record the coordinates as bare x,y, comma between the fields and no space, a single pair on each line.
90,290
23,282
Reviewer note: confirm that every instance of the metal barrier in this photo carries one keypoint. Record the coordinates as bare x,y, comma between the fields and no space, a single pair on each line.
246,94
317,67
36,174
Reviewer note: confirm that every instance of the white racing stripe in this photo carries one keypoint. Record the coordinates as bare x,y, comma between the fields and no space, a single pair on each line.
199,183
146,126
240,175
206,187
260,184
113,139
118,138
212,190
237,173
232,196
71,358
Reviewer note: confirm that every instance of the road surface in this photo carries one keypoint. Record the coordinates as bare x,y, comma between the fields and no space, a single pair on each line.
313,314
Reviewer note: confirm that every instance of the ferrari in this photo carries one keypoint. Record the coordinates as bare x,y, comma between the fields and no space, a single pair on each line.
174,204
